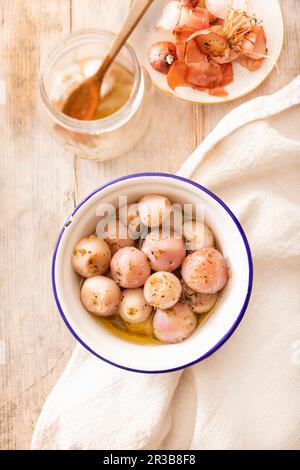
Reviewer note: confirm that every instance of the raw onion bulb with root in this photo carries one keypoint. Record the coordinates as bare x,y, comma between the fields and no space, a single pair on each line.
162,55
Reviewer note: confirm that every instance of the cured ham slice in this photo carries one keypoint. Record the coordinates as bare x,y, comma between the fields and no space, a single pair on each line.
248,63
204,75
218,91
202,72
255,44
227,72
193,54
192,3
254,49
175,14
176,75
195,19
190,22
198,71
182,33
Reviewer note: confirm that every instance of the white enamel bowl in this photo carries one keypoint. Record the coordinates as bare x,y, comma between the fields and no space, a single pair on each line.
217,328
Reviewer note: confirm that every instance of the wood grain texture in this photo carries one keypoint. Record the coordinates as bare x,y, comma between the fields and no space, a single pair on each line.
37,193
39,183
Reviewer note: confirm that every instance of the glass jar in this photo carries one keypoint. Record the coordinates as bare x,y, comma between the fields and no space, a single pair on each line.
99,139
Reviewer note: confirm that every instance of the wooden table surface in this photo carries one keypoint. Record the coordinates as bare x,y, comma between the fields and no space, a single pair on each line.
40,183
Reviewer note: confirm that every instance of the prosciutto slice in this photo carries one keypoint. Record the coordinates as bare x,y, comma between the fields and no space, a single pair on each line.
197,70
255,44
254,49
174,14
218,91
248,63
202,72
206,74
182,33
176,75
193,54
195,19
227,73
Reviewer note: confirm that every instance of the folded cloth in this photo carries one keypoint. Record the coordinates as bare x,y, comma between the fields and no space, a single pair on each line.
247,395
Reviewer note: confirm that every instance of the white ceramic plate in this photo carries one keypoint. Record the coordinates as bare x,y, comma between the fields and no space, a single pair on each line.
244,81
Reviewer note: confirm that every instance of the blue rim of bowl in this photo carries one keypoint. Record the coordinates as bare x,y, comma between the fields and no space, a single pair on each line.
250,264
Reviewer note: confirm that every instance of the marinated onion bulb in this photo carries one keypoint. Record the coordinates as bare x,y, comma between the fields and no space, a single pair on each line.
199,303
205,271
197,235
165,251
118,237
162,290
91,256
100,295
130,267
154,210
133,307
175,324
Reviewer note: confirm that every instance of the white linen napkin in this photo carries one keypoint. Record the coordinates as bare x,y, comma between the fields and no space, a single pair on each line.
247,395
